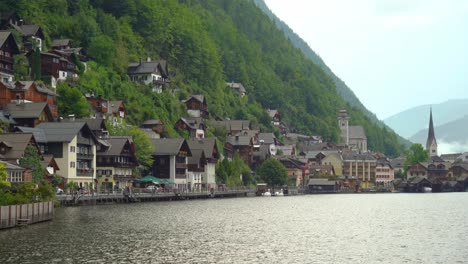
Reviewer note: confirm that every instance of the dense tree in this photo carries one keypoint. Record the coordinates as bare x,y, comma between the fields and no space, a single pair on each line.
32,160
20,66
273,172
233,173
415,154
3,177
72,102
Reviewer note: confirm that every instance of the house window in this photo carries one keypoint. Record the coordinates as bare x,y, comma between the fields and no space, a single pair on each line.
72,149
72,164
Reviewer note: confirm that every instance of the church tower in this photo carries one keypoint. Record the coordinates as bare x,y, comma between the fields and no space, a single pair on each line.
431,143
344,127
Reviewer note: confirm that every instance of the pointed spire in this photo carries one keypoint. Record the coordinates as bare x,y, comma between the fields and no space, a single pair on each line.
431,140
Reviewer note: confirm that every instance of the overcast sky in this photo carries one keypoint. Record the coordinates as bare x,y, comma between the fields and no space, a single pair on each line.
394,54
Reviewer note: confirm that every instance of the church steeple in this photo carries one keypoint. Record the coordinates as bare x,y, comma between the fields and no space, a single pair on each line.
431,143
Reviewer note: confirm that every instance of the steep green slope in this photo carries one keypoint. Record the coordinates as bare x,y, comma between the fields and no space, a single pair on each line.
206,43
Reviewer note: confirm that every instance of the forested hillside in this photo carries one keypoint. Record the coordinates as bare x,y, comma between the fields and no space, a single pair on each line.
206,43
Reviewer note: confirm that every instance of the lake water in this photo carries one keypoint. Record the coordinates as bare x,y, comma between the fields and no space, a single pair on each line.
342,228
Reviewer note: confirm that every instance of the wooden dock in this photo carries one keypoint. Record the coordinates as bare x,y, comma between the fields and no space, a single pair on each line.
110,198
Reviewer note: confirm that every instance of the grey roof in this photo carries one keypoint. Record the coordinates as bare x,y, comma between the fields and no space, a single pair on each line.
29,30
6,118
453,156
62,131
268,138
232,125
239,140
436,159
193,122
286,149
148,67
272,112
196,156
4,36
39,134
198,97
61,42
93,123
351,156
11,166
321,182
26,110
205,144
116,145
237,86
167,146
113,106
25,85
17,142
357,132
153,122
314,153
398,162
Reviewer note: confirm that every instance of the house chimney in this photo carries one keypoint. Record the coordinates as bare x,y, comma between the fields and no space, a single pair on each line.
71,117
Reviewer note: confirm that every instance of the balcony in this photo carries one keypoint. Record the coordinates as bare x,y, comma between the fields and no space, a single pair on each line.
84,172
6,59
181,166
84,156
117,164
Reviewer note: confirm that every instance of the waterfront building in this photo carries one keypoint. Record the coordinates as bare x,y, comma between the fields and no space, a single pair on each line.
170,161
202,164
17,174
384,173
360,165
115,164
334,159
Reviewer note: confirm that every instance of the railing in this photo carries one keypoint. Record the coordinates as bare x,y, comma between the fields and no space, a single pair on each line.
84,172
6,70
181,166
84,156
7,59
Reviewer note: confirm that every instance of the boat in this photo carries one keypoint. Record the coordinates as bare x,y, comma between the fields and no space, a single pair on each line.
280,193
427,189
267,193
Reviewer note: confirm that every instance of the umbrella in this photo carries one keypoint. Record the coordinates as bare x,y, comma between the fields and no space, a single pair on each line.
150,178
167,181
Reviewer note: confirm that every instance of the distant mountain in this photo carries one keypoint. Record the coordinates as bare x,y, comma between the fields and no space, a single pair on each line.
411,121
343,90
451,132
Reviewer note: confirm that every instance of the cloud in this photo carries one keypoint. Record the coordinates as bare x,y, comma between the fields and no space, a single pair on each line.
452,147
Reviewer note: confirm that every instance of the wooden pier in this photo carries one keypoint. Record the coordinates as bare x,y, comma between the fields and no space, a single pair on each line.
111,198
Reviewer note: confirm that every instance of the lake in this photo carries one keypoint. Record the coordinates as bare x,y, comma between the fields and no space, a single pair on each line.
335,228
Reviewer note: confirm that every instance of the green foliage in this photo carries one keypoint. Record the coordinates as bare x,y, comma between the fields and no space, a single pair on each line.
28,193
415,154
231,172
3,177
273,172
143,145
72,102
36,71
206,43
20,67
32,160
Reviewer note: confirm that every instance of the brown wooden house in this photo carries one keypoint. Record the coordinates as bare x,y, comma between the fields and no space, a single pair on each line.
27,91
28,114
8,49
242,145
197,106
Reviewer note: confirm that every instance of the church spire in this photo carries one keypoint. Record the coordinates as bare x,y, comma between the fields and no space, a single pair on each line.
431,144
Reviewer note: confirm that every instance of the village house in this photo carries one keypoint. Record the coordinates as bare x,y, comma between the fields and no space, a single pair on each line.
322,186
55,68
384,173
154,73
242,145
8,49
459,170
64,48
197,106
73,146
232,127
322,170
115,164
275,116
153,128
27,92
237,87
205,155
298,170
50,167
32,35
17,174
195,126
286,150
335,160
450,157
28,114
107,109
13,145
417,170
97,125
170,161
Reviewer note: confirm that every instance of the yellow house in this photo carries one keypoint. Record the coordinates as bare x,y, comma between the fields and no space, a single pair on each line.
336,161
